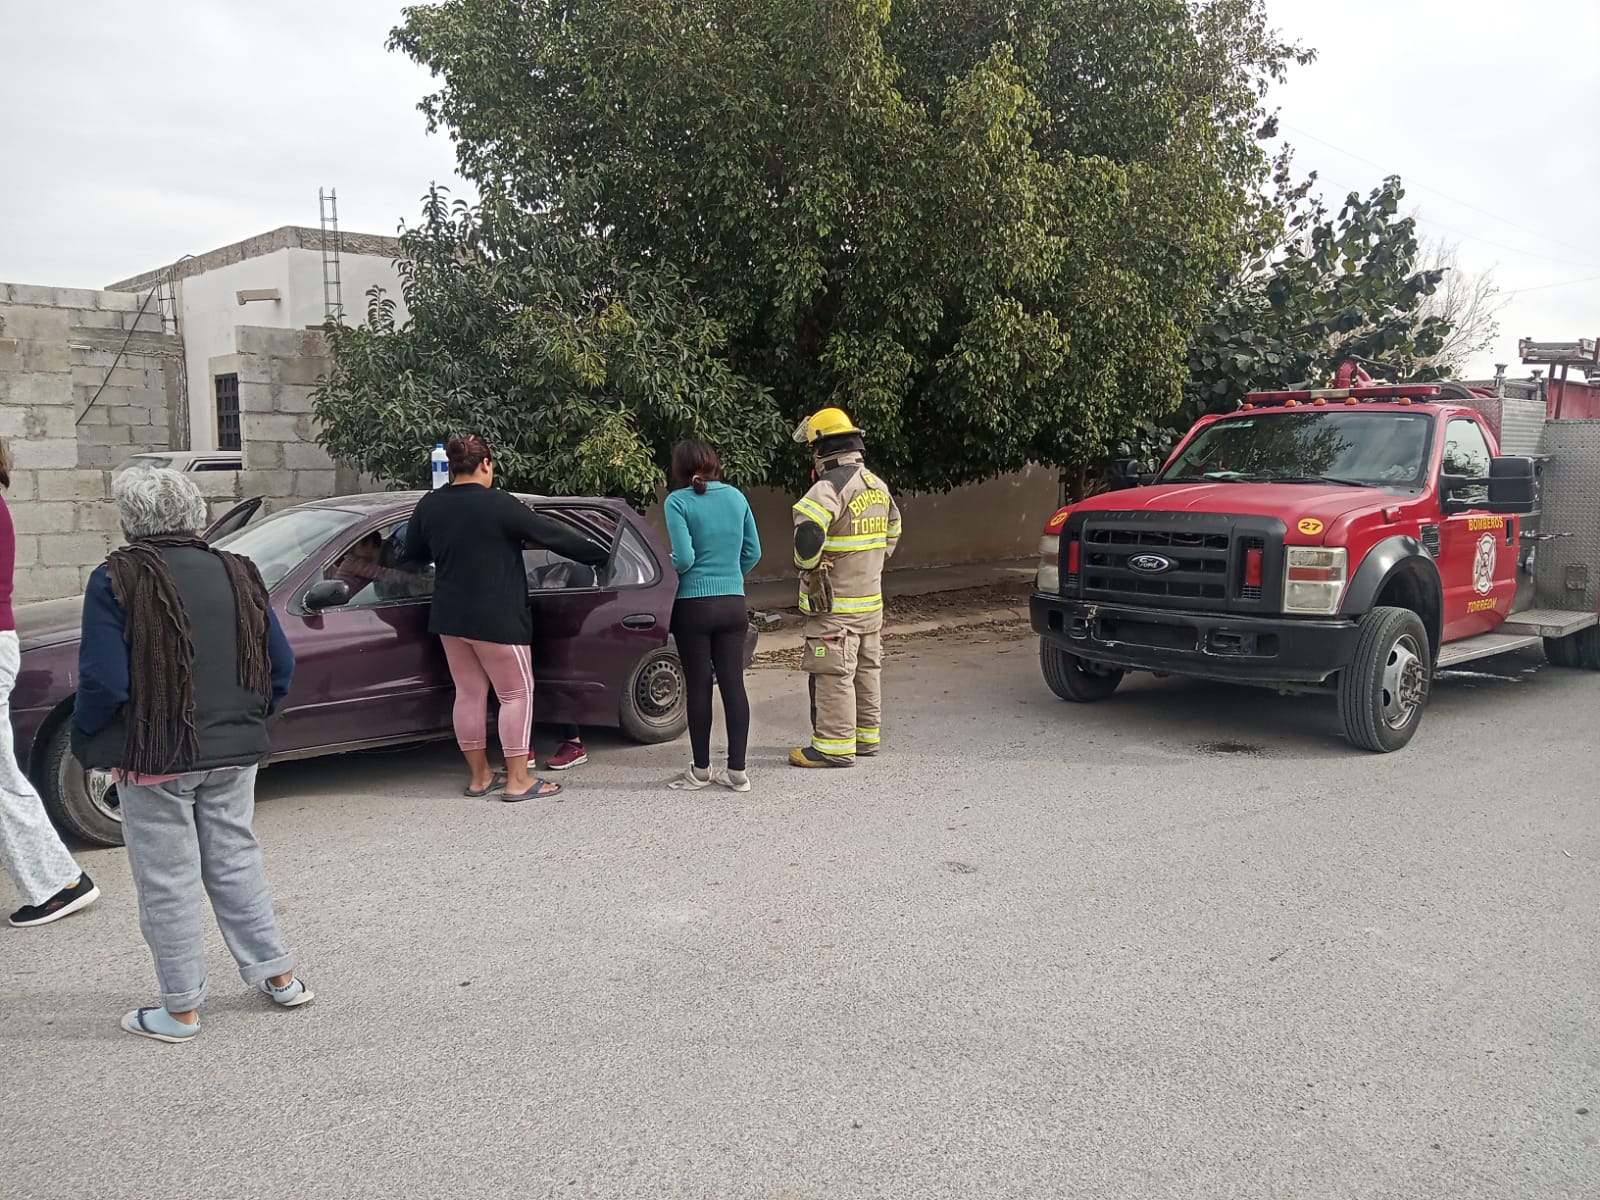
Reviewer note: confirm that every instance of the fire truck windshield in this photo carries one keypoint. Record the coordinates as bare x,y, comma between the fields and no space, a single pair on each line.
1360,449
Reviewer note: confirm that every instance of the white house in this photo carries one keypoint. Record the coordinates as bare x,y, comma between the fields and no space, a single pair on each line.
281,279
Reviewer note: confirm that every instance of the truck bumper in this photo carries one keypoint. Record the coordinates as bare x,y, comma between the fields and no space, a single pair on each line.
1204,645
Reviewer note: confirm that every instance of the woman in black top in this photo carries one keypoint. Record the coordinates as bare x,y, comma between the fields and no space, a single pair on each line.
474,534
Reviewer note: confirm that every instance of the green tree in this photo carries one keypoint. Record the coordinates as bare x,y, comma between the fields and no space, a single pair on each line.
987,227
1332,288
579,369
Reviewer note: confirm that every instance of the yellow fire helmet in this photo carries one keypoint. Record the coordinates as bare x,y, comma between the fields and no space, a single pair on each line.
827,422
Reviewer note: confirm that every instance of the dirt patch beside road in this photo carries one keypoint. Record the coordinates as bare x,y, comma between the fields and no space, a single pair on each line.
910,618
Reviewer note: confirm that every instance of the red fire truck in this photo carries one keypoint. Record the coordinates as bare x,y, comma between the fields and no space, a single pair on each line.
1352,540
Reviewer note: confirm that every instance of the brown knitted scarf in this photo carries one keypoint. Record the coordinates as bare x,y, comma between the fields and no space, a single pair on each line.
161,735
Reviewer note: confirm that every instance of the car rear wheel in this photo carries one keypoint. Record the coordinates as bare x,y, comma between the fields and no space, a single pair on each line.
1384,689
83,800
655,704
1072,678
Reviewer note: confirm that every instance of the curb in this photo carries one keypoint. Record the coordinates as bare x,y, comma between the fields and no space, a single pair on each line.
776,643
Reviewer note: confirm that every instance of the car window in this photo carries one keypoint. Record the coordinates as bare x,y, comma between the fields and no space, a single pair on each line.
548,571
633,565
370,568
214,465
285,540
1466,453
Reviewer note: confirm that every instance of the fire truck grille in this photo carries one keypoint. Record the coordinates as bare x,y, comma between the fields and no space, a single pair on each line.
1170,567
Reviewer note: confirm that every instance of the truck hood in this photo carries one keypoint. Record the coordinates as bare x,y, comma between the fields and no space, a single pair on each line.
49,622
1290,502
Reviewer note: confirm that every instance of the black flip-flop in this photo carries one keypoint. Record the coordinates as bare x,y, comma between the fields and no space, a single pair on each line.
542,789
495,784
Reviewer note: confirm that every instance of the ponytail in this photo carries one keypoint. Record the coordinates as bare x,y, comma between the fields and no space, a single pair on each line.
699,485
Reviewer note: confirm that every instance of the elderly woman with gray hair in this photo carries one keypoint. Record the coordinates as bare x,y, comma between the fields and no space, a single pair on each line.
182,661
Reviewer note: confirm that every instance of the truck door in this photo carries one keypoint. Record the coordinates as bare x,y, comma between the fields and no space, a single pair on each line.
1477,549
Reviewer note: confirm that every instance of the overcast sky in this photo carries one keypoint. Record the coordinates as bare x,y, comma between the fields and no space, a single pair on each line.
135,134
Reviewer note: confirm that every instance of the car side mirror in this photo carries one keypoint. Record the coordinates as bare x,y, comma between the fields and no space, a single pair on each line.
1126,473
329,593
1513,485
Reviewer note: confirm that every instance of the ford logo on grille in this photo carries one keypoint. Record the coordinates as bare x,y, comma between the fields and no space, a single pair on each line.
1151,564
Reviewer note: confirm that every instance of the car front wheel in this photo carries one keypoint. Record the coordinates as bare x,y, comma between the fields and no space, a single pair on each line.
655,702
83,800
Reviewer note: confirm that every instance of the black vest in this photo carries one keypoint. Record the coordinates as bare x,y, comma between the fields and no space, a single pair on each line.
230,720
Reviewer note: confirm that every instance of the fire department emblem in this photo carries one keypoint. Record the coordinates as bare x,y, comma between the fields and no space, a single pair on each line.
1483,565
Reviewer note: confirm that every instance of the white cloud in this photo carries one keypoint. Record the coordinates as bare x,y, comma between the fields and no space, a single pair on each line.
139,133
1484,109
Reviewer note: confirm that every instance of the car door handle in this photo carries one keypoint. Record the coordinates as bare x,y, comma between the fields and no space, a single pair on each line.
639,621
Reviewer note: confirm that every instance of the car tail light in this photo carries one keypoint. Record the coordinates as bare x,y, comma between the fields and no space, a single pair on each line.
1049,577
1252,568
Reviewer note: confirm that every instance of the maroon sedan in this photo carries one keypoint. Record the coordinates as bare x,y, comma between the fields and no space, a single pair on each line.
367,672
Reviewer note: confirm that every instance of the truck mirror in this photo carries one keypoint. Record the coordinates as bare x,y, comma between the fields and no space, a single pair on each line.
1513,485
1126,473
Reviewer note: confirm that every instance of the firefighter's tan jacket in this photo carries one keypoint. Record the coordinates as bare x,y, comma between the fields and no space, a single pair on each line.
861,525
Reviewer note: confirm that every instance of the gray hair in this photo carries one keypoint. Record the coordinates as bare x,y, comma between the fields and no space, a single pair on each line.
155,502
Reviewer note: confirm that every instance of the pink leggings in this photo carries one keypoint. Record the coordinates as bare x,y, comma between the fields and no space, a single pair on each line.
474,665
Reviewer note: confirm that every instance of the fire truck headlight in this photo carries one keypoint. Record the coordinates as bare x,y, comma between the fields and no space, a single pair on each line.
1049,577
1314,579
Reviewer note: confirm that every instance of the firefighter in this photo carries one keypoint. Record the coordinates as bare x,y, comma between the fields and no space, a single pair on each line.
845,528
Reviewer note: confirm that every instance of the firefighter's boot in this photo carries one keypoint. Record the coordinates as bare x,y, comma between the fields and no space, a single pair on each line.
810,756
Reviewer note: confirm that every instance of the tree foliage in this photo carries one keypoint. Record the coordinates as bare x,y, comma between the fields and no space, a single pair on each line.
579,369
1330,289
987,227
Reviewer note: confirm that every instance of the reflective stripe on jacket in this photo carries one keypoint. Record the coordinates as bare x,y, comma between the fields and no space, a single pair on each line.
861,526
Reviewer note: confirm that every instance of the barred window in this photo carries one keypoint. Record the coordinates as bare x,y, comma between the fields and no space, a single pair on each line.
229,434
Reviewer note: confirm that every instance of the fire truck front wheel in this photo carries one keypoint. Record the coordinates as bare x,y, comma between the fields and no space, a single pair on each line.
1072,678
1383,690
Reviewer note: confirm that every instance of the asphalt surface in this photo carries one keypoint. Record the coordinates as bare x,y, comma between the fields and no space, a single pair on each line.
1184,944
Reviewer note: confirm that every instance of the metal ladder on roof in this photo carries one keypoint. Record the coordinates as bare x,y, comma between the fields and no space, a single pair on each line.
332,286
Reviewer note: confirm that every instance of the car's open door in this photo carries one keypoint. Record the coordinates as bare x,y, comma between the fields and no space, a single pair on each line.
234,519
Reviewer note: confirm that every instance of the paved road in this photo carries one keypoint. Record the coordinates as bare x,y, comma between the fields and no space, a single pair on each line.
1034,952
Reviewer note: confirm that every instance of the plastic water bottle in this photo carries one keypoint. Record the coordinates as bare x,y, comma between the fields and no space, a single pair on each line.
441,466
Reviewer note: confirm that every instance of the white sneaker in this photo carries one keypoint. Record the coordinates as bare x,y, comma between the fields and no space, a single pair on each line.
734,781
690,781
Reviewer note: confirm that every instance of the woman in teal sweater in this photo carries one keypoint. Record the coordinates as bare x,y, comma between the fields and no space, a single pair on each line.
714,546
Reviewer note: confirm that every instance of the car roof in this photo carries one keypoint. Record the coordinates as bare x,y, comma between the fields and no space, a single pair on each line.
371,502
188,455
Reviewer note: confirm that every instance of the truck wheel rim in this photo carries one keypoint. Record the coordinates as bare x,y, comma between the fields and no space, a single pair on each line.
1405,683
102,790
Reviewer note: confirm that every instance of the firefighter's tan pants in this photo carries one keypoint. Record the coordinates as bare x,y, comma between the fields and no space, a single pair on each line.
844,658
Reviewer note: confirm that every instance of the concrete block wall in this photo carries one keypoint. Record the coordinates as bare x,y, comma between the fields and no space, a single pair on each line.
278,370
60,349
996,521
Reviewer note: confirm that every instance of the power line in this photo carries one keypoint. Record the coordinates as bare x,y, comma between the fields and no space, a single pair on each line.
1415,182
1542,287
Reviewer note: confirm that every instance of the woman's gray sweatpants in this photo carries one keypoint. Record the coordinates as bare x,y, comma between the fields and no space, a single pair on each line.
189,834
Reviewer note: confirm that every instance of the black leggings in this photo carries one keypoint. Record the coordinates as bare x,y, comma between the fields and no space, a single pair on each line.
711,632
